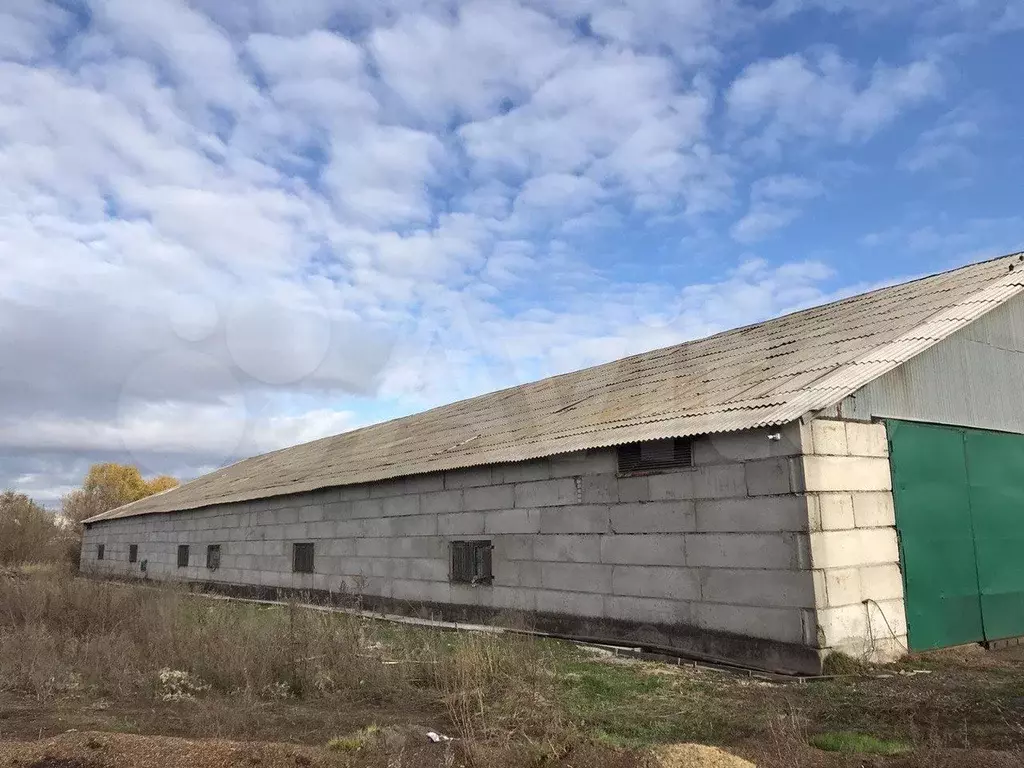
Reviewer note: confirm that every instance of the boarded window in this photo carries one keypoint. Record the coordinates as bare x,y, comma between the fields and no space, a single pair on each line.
471,562
302,558
213,557
100,551
656,455
133,553
183,555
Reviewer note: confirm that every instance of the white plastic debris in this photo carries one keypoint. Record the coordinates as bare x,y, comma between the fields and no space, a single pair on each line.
436,737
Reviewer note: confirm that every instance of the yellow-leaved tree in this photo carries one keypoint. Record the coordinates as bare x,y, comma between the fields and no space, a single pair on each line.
107,486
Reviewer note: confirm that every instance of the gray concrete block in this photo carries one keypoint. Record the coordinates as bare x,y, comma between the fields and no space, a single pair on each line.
441,502
741,550
340,547
434,481
766,513
586,518
322,530
569,603
512,521
661,549
771,476
578,463
522,471
647,610
427,591
367,508
515,546
282,516
427,570
353,492
576,577
345,528
383,488
513,598
415,525
460,524
747,586
568,548
719,481
373,547
671,485
656,581
546,493
419,546
296,532
472,594
782,624
468,478
634,488
600,489
654,517
311,513
507,572
488,497
396,506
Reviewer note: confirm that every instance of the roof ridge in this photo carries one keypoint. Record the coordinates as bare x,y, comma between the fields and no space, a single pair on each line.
881,367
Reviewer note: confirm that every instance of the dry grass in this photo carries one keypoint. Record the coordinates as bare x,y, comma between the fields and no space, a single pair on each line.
60,636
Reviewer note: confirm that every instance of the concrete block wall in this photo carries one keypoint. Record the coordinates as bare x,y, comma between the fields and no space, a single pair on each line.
723,546
853,546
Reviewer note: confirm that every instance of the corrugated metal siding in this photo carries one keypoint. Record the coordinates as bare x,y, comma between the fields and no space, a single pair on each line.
974,378
760,375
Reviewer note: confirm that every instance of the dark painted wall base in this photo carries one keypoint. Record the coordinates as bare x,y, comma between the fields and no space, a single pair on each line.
678,639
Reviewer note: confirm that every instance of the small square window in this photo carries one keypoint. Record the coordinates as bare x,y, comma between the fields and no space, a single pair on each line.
302,558
183,555
471,562
133,553
100,551
213,557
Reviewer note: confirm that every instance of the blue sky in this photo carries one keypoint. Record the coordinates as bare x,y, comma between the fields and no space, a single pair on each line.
230,227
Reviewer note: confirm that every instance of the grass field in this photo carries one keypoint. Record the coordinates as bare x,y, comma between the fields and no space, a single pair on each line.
91,656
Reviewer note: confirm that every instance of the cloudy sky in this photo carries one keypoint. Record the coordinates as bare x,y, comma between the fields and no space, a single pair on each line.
231,226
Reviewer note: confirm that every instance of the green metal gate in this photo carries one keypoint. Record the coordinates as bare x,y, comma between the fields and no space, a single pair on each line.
959,496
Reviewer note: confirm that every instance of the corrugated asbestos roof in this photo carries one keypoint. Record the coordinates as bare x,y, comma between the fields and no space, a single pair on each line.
760,375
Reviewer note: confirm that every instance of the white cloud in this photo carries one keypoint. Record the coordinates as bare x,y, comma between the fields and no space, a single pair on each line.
27,29
792,97
225,224
380,174
944,147
774,203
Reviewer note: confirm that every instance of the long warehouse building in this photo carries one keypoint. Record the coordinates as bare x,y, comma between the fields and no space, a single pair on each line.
848,477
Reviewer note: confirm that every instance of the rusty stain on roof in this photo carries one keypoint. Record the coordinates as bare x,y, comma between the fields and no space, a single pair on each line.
759,375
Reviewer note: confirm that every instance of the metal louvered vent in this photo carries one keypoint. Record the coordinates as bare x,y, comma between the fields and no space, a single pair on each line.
656,455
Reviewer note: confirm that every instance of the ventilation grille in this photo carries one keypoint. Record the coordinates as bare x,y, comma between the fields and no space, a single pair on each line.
656,455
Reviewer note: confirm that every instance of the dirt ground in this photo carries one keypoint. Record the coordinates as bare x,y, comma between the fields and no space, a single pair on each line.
959,708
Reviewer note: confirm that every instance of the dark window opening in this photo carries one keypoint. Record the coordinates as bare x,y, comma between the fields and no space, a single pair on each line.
213,557
471,562
133,553
655,455
183,555
100,551
302,558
